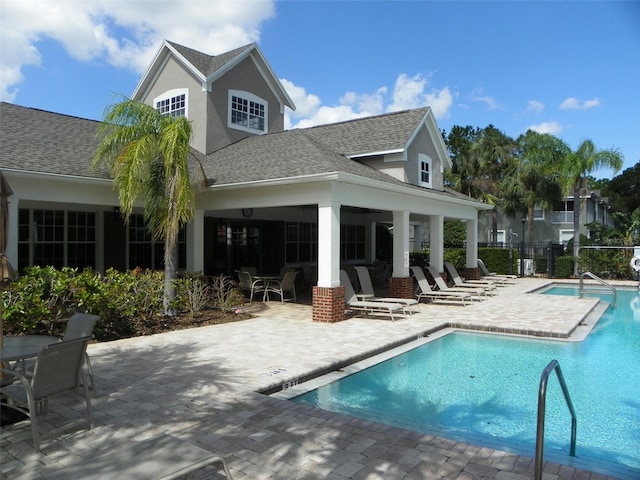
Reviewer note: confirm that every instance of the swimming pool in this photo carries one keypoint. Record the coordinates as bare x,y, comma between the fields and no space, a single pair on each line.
482,389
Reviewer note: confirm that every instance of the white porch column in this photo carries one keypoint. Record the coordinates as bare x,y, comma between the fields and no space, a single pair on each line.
195,243
436,241
472,244
329,245
12,234
400,243
373,244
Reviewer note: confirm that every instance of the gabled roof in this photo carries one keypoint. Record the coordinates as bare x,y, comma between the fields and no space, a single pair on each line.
381,133
286,154
37,141
208,68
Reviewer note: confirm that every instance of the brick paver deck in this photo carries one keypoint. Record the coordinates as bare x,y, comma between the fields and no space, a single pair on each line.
202,385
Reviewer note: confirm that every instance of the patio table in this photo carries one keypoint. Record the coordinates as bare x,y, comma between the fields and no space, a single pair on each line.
267,279
21,347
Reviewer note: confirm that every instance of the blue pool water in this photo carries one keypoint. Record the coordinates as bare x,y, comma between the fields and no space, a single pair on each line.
483,389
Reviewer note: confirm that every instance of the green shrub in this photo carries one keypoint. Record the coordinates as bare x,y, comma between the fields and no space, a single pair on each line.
564,266
497,260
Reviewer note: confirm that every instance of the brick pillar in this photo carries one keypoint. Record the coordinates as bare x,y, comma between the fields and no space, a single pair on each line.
328,304
401,287
472,273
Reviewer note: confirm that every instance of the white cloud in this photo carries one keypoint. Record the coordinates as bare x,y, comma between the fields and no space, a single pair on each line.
535,106
547,127
124,34
479,96
408,93
572,103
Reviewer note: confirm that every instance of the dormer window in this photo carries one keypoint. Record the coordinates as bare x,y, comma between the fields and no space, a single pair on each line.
247,112
425,165
172,102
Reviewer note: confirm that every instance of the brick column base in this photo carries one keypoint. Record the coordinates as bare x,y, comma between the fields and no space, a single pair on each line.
401,287
472,273
328,304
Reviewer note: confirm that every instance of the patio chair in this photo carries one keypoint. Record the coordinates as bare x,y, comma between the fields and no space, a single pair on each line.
58,370
367,307
477,293
366,288
280,287
489,286
499,279
248,284
424,290
252,270
81,325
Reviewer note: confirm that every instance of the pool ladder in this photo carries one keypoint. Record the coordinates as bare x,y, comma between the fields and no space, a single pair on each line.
601,287
542,400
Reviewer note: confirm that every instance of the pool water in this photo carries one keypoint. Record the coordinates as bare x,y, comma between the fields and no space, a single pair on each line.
483,389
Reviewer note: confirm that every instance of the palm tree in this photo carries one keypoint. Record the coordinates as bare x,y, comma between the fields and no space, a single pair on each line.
575,169
494,155
147,155
537,175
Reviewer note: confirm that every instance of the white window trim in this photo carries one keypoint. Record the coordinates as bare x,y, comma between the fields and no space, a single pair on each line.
175,92
252,98
501,237
429,161
560,235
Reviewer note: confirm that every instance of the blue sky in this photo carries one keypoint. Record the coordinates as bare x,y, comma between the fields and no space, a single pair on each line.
567,68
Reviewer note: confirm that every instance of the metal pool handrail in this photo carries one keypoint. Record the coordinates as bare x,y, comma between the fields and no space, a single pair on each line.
542,400
607,288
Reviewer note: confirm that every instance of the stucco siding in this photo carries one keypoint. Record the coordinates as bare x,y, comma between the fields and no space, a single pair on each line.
174,76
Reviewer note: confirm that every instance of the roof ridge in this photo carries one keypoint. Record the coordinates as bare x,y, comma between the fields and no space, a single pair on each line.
9,104
368,117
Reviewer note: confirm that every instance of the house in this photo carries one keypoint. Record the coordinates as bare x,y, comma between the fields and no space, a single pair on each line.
303,197
554,225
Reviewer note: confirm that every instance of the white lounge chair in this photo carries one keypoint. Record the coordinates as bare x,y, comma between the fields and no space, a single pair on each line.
367,289
367,307
478,293
489,286
425,291
499,279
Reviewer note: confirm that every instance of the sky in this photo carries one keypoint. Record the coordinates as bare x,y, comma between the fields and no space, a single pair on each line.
569,68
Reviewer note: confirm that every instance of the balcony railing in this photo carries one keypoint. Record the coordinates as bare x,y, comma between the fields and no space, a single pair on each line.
561,217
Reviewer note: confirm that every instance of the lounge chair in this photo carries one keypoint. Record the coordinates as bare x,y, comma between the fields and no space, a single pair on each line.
367,307
368,294
478,293
489,286
424,290
499,279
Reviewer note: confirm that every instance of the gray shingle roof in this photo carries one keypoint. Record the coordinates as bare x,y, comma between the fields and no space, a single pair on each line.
45,142
292,153
208,64
371,134
35,140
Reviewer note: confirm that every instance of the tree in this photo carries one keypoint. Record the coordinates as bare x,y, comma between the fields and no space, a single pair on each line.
493,152
537,181
575,169
147,155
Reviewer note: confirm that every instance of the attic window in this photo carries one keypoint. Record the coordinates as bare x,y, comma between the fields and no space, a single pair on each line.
425,170
173,103
247,112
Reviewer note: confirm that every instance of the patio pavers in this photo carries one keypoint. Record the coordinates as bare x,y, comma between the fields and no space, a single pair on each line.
201,385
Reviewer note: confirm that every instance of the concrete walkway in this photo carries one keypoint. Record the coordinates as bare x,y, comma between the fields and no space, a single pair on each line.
202,385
